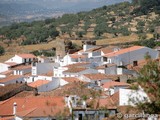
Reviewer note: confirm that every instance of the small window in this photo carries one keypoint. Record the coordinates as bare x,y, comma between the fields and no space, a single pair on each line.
25,60
105,59
135,63
32,79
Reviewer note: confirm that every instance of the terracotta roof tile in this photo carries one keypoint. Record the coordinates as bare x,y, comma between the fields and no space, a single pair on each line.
8,72
76,56
22,67
122,51
30,103
11,63
38,83
9,78
26,55
113,83
42,112
100,76
107,50
115,98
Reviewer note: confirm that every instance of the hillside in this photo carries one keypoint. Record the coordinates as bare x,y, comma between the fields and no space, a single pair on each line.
33,10
122,22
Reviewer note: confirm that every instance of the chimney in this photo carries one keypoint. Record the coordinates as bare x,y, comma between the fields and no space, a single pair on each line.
14,108
84,104
84,47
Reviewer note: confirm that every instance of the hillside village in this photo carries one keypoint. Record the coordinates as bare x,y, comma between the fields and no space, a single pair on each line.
94,83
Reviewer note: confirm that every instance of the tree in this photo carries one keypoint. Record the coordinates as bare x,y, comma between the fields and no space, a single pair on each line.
149,78
2,51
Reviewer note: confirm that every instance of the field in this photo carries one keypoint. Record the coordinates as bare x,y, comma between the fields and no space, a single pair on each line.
15,49
117,40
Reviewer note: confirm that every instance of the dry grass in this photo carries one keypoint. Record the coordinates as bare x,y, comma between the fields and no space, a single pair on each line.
149,36
117,40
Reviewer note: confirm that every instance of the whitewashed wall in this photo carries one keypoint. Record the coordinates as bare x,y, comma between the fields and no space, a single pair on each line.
3,67
132,97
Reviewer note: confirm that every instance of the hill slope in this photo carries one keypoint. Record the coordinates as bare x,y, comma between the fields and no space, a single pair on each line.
108,24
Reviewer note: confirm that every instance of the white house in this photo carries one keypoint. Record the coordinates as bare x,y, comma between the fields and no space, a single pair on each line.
11,79
72,59
45,85
129,55
42,68
22,70
112,87
6,66
131,97
58,71
22,58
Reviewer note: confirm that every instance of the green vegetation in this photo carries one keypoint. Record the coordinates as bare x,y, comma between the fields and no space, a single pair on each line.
111,21
149,80
44,52
146,6
2,51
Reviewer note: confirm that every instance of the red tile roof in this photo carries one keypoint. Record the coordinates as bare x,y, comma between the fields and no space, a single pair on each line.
10,63
122,51
76,56
42,112
100,76
29,104
7,118
115,98
38,83
9,78
26,55
107,50
8,72
22,67
113,83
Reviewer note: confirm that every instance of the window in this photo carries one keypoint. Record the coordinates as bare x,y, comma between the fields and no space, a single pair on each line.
105,59
80,117
25,60
135,63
